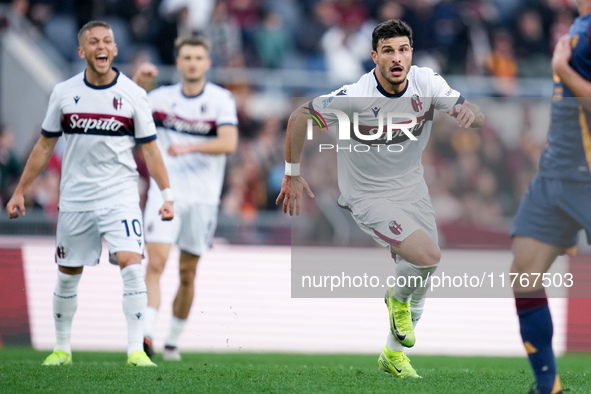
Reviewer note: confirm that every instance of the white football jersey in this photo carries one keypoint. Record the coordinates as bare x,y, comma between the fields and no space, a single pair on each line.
382,168
181,120
101,125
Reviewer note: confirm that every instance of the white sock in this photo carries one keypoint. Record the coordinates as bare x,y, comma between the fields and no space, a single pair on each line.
65,302
135,300
415,278
150,321
176,328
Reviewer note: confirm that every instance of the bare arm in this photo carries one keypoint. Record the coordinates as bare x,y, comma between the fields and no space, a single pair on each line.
157,171
225,142
292,187
296,135
36,162
574,81
467,115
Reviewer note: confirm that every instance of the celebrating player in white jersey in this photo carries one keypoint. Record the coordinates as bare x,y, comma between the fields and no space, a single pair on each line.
380,174
197,127
102,114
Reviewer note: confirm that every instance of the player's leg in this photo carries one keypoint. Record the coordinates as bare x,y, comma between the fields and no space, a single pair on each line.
541,230
394,349
417,258
159,236
65,303
535,321
182,304
417,255
78,244
195,237
403,229
135,300
157,256
121,227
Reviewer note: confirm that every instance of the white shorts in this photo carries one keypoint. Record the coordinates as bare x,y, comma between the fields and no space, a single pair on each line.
389,223
192,228
79,234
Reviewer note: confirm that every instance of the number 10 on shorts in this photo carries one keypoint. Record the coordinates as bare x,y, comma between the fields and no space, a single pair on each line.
135,225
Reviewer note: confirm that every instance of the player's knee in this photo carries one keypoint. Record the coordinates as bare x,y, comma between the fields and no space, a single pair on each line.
520,267
156,266
187,277
429,256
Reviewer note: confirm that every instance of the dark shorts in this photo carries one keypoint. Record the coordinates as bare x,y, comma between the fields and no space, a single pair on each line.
553,211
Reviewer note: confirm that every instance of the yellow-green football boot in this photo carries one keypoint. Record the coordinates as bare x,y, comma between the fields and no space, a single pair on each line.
139,358
58,358
396,363
400,319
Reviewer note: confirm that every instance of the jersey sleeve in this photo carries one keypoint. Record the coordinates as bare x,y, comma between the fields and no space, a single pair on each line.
444,97
51,126
227,111
337,100
145,129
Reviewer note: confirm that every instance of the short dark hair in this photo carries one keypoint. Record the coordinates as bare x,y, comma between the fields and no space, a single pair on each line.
389,29
92,25
189,40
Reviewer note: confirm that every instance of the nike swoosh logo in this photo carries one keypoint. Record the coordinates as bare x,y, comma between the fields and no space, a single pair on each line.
134,364
397,370
398,334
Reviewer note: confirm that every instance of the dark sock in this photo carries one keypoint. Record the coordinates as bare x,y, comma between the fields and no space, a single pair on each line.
536,332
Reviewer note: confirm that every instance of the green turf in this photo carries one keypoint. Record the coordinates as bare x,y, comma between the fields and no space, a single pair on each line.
21,372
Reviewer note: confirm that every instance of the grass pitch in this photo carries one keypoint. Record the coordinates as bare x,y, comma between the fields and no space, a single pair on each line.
93,372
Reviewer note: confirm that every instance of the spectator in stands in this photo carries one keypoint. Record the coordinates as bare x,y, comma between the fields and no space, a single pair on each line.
532,49
272,41
194,15
224,35
345,48
501,62
16,19
323,16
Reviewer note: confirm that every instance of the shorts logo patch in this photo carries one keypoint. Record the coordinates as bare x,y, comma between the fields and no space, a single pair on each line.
60,252
395,227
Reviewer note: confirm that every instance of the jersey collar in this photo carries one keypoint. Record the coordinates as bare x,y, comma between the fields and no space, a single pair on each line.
195,96
102,86
383,91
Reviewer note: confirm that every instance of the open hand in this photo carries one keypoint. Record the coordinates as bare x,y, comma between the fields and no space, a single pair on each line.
292,190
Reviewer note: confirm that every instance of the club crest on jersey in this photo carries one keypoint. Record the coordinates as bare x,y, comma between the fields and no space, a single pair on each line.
416,102
395,227
117,102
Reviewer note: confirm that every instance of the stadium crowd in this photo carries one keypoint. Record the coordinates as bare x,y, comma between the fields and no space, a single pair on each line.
475,177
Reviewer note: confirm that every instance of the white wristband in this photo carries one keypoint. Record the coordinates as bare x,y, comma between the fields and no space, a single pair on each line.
292,169
167,194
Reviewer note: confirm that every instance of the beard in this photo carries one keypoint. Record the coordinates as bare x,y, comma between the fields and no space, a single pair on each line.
385,71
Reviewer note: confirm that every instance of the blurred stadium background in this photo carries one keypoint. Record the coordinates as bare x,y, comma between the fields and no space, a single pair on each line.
497,53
